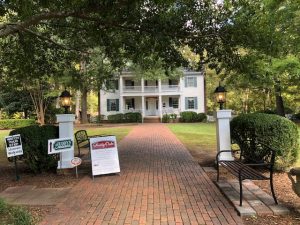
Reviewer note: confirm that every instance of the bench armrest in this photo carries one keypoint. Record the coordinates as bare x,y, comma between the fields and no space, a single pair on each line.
218,154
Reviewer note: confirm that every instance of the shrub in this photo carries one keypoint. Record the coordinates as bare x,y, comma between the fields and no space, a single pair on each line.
173,117
202,117
274,131
117,118
166,118
133,117
16,123
35,146
188,117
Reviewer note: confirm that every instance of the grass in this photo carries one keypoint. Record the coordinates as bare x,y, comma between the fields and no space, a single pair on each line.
119,132
14,215
201,135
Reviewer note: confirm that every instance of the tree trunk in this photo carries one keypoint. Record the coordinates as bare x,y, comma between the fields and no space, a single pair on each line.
99,105
84,118
279,100
77,106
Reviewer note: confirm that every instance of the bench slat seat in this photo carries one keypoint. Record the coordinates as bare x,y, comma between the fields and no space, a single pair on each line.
248,173
243,171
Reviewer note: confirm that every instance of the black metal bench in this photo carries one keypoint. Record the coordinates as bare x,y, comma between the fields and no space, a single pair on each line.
242,167
83,140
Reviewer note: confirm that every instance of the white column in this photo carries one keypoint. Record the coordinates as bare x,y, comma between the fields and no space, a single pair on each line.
121,104
142,85
159,86
121,84
223,133
143,108
160,107
66,130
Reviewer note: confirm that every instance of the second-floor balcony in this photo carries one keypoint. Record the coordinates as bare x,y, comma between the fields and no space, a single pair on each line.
151,89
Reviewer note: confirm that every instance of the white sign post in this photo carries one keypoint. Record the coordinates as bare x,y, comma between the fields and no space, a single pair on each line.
14,148
104,155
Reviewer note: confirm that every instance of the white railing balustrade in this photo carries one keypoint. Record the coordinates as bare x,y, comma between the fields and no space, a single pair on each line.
150,88
132,89
132,110
170,88
170,110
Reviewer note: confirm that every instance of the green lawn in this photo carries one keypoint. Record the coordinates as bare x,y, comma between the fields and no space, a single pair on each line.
119,132
200,139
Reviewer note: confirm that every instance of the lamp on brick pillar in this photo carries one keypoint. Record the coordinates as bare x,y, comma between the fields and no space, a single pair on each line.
223,117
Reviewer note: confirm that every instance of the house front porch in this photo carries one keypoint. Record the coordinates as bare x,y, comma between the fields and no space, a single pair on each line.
151,106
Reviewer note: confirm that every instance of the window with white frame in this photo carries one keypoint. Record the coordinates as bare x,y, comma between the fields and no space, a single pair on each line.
191,103
190,81
112,105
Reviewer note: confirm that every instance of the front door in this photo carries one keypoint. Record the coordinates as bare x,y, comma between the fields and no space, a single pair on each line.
151,109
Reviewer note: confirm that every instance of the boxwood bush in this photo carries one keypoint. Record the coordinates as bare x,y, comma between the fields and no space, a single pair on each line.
274,131
131,117
35,147
189,117
16,123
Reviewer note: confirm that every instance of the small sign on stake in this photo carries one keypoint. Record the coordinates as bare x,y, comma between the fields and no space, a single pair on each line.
14,148
76,162
60,145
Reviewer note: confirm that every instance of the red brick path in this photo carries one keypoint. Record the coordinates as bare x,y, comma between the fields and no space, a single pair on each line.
160,183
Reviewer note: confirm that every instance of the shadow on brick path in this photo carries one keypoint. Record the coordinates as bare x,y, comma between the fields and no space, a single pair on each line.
159,183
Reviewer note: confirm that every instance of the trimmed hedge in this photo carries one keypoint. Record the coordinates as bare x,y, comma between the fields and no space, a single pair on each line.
274,131
188,117
35,147
166,118
131,117
16,123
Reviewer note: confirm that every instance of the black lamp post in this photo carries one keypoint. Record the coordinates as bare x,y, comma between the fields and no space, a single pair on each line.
65,100
220,94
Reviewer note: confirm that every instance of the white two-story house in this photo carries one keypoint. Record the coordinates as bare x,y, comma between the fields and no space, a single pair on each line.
153,98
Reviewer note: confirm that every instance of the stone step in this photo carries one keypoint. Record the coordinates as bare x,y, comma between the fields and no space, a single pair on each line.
255,200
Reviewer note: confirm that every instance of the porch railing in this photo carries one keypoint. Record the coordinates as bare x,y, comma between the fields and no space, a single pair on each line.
170,88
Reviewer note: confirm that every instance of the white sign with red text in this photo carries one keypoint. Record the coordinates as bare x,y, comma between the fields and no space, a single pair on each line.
104,155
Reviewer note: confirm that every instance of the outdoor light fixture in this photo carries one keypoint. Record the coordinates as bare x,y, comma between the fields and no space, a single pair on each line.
220,93
65,100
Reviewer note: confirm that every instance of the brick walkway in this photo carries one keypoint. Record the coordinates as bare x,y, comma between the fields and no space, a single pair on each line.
160,183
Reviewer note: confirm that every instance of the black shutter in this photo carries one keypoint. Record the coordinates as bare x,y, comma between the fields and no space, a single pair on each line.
116,84
170,102
132,103
146,104
117,105
146,83
107,105
156,82
170,82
